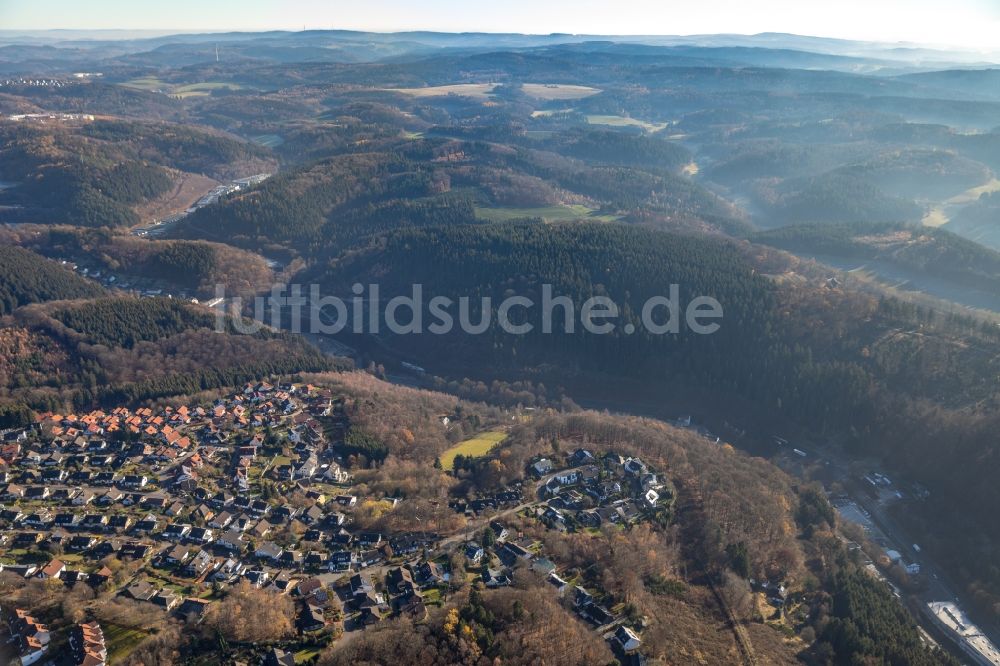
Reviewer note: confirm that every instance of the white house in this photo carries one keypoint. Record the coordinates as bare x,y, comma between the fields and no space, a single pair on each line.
627,639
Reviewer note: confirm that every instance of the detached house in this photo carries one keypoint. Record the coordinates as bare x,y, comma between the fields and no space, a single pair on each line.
176,555
269,551
53,569
135,481
626,639
232,540
199,564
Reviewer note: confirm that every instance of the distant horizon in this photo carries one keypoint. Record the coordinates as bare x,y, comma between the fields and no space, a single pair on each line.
666,35
124,34
966,25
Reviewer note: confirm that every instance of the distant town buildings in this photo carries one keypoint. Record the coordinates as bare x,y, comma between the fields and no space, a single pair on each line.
42,117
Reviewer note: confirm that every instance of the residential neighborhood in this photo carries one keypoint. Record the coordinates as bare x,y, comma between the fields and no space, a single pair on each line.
171,507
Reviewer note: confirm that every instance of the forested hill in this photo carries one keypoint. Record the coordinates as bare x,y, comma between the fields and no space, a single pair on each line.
926,250
96,173
323,207
118,350
195,265
630,265
846,367
124,322
771,337
293,208
26,277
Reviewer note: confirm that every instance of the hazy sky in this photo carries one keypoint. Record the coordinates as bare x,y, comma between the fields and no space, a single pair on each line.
969,23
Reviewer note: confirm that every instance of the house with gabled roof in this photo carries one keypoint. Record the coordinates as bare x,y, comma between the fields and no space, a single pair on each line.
173,555
53,569
166,599
121,521
269,551
626,639
176,531
199,564
192,608
66,520
232,540
311,619
229,570
80,543
140,591
201,535
429,573
221,521
399,580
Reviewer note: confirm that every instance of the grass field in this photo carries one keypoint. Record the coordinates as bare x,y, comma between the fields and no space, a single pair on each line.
146,83
974,193
268,140
432,596
935,217
543,91
547,113
476,447
202,89
940,214
551,91
208,85
305,655
120,641
622,121
186,90
557,213
478,90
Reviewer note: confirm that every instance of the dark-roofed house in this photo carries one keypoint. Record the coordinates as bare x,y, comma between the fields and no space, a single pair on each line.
494,579
597,614
192,609
473,552
201,535
411,605
340,560
176,531
135,551
311,619
361,584
399,580
509,553
626,639
369,615
429,573
105,548
119,521
141,591
80,543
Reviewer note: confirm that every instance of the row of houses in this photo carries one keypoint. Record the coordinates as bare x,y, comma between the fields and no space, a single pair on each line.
30,637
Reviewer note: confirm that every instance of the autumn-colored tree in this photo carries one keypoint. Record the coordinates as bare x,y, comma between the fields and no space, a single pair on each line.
249,615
